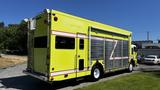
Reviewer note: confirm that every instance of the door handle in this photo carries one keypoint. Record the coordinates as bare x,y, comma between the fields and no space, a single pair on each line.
78,55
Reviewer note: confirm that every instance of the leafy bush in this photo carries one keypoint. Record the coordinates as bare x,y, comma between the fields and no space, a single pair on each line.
14,37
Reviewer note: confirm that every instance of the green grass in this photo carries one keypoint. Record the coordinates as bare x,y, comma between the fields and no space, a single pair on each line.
136,81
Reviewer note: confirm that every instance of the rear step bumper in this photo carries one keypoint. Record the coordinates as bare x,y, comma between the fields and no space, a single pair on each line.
43,78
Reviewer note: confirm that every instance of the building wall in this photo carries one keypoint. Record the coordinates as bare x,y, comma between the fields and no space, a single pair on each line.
151,45
139,43
146,52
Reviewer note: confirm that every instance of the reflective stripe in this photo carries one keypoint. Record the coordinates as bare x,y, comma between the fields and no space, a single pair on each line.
116,58
66,72
82,36
69,34
62,72
63,34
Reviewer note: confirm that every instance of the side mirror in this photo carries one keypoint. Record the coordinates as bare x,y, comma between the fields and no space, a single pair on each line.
135,49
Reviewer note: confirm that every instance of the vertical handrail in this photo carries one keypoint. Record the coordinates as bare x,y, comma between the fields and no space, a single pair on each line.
89,47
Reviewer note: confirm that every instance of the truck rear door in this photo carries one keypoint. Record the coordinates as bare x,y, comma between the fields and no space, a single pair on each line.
38,41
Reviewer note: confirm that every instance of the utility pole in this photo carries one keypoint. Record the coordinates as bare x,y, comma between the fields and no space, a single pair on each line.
148,35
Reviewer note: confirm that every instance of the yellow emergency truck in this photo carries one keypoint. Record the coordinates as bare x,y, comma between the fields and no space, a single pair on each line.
62,46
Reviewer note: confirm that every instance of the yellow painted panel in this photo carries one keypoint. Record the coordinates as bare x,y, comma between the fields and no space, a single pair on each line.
63,59
72,75
76,23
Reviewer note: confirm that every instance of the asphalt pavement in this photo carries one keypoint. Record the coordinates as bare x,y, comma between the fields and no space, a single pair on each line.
12,78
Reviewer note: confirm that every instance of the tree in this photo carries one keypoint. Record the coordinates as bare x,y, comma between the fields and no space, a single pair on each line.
1,24
14,37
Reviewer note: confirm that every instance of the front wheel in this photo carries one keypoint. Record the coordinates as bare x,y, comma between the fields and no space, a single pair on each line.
96,73
130,67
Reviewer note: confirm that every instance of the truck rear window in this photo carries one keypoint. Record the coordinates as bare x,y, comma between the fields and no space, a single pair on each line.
65,42
40,42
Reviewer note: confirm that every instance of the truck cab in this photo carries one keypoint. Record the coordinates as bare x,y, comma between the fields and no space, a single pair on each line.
134,54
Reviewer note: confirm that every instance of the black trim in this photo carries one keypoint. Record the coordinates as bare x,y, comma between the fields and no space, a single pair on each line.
107,32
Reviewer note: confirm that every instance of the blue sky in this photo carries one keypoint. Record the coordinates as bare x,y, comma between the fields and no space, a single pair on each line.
138,16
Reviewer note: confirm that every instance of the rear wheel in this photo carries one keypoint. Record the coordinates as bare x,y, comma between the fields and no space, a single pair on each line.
96,73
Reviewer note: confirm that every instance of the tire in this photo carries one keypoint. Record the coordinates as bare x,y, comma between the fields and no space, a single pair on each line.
130,67
157,62
96,73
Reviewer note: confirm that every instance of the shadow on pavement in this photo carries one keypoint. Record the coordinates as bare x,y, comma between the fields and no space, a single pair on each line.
29,83
24,83
149,68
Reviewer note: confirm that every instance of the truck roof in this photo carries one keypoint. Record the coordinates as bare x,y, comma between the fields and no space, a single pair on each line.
97,24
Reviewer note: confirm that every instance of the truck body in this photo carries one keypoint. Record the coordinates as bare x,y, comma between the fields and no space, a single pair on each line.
62,46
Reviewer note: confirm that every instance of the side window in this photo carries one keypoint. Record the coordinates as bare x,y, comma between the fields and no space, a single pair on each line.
40,42
81,44
65,42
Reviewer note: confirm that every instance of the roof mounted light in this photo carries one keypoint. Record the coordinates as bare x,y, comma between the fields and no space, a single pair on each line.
47,10
26,20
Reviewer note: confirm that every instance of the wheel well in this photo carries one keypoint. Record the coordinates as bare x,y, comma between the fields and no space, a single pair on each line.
100,66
